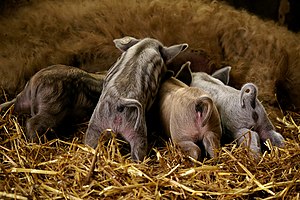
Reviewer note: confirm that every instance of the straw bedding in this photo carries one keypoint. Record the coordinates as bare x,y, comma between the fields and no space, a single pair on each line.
63,168
59,168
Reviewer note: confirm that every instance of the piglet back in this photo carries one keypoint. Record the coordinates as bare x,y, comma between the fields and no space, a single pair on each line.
248,95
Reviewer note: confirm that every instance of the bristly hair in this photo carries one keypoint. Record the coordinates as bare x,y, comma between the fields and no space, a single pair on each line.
137,73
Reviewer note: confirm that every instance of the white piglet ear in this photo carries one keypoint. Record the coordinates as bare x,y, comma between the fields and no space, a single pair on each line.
169,53
185,73
222,74
125,43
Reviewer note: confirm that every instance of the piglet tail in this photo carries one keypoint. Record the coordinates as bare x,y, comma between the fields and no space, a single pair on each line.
248,95
204,108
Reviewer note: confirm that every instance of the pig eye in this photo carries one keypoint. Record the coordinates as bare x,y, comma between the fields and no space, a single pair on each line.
247,91
120,108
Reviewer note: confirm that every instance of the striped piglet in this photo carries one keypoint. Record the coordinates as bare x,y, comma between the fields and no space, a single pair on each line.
57,97
129,90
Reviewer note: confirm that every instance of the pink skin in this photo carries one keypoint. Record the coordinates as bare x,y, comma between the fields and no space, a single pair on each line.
189,116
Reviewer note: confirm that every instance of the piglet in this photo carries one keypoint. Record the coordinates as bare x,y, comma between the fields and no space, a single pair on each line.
240,110
189,115
129,90
56,97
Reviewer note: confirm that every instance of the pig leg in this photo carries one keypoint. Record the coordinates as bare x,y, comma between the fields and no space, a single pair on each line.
275,138
190,148
183,138
249,139
138,146
46,118
211,141
38,124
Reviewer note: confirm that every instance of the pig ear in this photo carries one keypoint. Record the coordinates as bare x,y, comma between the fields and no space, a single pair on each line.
125,43
248,95
169,53
222,74
185,73
168,75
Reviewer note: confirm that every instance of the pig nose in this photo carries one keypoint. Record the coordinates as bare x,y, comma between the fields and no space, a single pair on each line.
120,108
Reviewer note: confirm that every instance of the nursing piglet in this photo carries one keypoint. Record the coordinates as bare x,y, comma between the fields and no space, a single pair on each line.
189,115
129,90
240,110
56,97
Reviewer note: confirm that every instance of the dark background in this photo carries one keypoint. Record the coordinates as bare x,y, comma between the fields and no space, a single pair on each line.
268,9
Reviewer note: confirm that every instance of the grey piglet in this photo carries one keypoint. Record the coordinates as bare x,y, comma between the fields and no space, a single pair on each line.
240,110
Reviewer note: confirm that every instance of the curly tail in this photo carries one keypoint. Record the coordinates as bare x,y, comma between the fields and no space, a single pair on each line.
204,108
248,94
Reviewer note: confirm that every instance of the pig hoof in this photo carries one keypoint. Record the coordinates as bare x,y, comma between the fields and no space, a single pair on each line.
32,137
277,139
190,148
138,156
138,150
92,142
31,134
195,153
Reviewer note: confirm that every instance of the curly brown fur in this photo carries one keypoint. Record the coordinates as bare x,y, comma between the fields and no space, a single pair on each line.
80,33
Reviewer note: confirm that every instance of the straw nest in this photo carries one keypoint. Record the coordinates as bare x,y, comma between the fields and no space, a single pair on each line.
62,169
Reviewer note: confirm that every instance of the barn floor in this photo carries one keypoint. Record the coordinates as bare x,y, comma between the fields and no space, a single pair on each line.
58,169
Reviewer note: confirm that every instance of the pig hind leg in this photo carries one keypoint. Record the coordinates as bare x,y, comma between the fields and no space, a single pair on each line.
211,142
190,148
37,124
275,138
42,121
